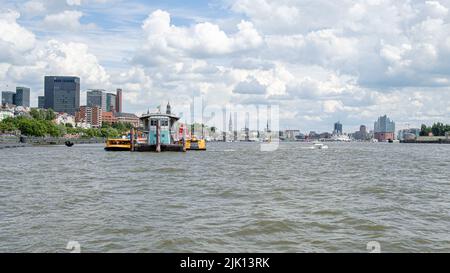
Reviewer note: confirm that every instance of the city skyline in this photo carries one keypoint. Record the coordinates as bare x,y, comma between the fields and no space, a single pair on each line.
377,58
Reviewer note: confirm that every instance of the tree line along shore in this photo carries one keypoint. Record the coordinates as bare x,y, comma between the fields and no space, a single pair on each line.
40,123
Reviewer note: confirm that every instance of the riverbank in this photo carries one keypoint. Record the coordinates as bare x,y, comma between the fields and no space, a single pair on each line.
428,140
60,140
13,145
24,141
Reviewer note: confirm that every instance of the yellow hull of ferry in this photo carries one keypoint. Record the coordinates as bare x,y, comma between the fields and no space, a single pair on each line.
118,145
195,145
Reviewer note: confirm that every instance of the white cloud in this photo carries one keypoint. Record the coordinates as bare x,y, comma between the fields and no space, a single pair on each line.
73,2
435,9
200,40
250,86
14,35
67,20
73,59
332,106
33,7
15,40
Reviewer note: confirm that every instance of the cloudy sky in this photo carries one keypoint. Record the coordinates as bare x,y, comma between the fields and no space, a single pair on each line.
320,61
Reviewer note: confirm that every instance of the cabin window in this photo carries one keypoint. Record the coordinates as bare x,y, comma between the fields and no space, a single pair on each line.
164,123
153,122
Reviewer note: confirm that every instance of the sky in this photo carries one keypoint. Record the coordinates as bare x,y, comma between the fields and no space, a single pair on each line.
320,61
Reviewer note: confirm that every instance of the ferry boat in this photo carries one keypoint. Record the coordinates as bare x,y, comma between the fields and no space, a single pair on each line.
118,144
195,144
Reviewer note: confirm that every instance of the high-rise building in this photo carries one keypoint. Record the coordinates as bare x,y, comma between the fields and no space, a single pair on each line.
119,101
363,129
8,97
41,102
22,97
90,115
338,128
384,129
110,102
362,134
62,94
96,97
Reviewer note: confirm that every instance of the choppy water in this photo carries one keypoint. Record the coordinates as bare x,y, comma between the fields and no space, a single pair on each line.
231,198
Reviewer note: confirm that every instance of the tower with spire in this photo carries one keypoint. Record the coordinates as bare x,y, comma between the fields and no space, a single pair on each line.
168,109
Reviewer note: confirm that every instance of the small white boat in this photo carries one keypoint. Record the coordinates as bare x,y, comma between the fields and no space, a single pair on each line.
320,146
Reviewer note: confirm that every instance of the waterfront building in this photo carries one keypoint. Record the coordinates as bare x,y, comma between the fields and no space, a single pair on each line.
96,97
21,111
108,117
408,134
128,118
90,115
313,135
64,118
119,100
6,112
41,102
8,97
62,94
384,129
110,102
338,128
22,97
362,134
83,125
291,135
325,135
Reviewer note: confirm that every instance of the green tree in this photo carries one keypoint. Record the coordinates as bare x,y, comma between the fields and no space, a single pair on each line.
31,127
438,129
109,132
8,124
122,127
425,130
36,114
50,115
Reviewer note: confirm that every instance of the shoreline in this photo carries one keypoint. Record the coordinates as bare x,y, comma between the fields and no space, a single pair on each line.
19,142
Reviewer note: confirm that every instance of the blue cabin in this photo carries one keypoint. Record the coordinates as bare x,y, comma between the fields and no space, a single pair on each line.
165,123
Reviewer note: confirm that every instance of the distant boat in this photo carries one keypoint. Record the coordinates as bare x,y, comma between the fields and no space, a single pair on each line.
341,138
118,144
320,146
195,144
68,143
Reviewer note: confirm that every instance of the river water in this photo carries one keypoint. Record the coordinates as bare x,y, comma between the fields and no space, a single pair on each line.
231,198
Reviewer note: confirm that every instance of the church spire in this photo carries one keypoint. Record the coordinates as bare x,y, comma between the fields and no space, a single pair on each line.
168,109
